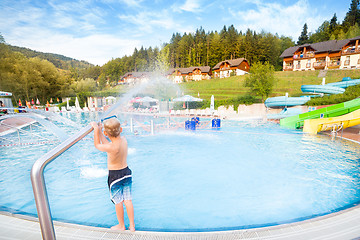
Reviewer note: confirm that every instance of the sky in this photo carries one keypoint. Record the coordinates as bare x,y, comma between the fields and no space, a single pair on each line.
100,30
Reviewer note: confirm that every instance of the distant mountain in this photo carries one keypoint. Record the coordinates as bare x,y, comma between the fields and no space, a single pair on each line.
58,60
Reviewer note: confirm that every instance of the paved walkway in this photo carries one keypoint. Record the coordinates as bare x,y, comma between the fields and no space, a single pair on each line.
343,225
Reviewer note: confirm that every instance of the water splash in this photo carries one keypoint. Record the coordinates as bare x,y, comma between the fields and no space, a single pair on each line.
158,86
93,172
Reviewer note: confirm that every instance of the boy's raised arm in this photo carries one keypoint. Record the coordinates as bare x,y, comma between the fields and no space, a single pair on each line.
96,134
103,139
97,138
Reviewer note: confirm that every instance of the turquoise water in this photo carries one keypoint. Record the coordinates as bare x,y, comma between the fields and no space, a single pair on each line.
246,174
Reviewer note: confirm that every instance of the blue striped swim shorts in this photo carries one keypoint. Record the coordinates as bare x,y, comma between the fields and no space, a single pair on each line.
120,182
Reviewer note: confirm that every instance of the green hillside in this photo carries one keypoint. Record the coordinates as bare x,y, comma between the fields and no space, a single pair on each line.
59,61
289,81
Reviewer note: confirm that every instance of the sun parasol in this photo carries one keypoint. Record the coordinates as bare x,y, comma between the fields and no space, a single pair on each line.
212,103
134,99
187,99
77,104
37,101
146,99
20,103
32,101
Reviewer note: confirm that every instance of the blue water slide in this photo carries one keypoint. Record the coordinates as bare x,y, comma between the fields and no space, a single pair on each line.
284,101
322,89
345,83
286,112
331,88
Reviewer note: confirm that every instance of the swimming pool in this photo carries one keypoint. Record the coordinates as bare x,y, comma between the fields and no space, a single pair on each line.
246,174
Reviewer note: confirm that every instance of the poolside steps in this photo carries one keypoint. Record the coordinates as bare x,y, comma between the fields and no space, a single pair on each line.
297,121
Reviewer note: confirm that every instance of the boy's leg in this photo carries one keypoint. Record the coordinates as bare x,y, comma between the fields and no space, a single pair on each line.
130,212
120,216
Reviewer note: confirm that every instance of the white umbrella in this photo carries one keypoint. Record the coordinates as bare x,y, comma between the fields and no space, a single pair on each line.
212,104
67,104
146,99
187,98
77,104
110,100
5,94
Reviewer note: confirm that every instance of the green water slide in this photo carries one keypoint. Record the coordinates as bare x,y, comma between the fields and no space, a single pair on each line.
297,121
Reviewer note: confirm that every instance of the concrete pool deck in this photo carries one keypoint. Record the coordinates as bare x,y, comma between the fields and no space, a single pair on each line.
339,225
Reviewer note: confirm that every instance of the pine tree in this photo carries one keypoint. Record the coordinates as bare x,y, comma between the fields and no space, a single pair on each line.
2,39
333,23
303,38
353,15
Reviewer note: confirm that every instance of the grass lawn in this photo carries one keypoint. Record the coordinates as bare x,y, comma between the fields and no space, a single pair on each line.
289,81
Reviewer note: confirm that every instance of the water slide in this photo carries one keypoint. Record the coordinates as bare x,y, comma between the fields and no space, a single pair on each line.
326,89
331,88
297,121
285,101
313,126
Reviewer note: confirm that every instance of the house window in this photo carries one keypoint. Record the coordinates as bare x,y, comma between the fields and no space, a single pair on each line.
347,61
308,65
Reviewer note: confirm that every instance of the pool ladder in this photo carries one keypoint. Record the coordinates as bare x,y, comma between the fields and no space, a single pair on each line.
38,182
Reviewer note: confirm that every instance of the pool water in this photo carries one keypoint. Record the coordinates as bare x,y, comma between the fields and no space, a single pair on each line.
246,174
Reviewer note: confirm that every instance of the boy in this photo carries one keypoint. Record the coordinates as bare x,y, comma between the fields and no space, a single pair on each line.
119,179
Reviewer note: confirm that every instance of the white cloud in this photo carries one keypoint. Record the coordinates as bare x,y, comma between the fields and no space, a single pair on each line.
148,21
277,18
97,48
130,3
188,6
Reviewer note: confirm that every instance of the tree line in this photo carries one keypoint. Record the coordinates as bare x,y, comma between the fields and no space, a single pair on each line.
333,29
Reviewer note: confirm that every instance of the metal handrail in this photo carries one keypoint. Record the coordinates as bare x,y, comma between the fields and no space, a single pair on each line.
38,182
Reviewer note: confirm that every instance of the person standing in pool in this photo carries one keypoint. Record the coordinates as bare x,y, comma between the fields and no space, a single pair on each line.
2,111
119,179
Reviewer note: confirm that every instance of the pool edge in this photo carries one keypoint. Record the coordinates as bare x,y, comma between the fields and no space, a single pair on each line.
338,225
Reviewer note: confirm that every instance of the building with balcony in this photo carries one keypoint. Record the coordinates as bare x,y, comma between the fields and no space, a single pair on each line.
333,54
180,75
135,77
239,66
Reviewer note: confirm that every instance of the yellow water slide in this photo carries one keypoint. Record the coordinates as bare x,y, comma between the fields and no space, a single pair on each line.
314,126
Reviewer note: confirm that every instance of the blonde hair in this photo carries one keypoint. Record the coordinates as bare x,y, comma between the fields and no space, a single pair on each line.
112,127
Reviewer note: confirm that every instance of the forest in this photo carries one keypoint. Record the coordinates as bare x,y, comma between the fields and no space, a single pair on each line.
29,74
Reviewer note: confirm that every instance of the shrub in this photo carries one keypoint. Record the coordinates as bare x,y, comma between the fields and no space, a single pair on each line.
349,94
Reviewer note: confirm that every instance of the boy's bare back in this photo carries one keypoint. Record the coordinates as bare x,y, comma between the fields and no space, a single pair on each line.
117,153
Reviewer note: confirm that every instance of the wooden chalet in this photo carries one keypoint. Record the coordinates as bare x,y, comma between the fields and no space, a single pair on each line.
189,74
334,54
239,66
135,77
